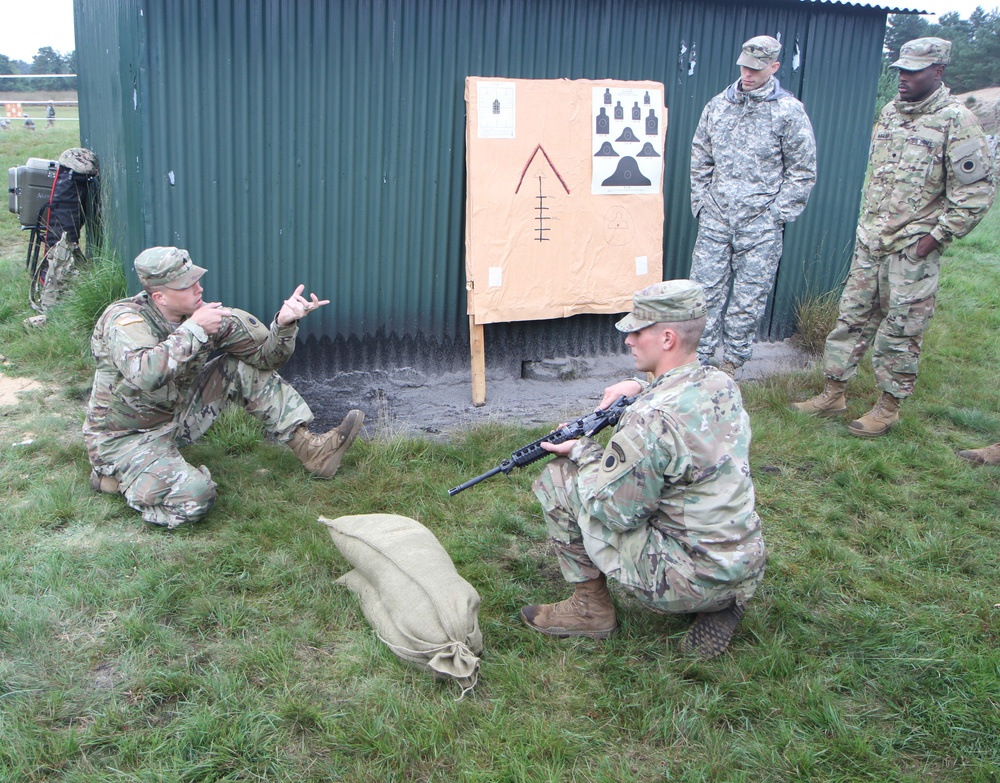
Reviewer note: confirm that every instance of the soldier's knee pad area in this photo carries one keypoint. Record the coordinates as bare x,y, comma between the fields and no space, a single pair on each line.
177,501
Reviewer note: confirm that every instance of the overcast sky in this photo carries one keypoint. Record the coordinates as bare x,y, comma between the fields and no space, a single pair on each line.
25,27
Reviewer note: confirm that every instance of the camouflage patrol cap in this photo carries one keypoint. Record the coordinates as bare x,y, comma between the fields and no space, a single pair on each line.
759,52
922,53
80,160
671,301
167,267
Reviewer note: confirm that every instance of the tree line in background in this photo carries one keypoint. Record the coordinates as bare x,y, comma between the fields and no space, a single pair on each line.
47,60
975,49
975,55
975,45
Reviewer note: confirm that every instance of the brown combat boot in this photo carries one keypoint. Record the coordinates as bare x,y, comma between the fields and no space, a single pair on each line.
321,454
728,368
988,455
107,484
832,401
710,633
588,612
878,420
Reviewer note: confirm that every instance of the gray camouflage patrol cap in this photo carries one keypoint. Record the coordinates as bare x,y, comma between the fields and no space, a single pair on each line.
759,52
922,53
671,301
167,267
80,160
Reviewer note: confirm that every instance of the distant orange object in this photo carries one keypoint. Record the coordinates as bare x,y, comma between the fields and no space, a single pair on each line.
13,109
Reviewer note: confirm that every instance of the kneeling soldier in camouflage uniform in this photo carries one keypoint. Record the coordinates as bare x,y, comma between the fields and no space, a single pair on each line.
929,181
157,388
667,509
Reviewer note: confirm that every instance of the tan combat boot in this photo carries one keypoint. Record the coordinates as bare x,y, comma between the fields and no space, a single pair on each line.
107,484
710,633
832,401
878,420
989,455
729,368
588,612
321,454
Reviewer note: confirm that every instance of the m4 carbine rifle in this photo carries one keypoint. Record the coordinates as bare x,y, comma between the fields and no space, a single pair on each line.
587,425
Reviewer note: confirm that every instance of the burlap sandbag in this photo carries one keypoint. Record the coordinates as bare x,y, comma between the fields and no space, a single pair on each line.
411,593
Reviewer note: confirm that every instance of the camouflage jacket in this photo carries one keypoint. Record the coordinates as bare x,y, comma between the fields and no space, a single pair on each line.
751,152
146,366
929,172
678,462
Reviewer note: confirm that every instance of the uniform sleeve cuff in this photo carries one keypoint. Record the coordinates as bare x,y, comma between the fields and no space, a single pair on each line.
584,450
196,330
286,330
939,234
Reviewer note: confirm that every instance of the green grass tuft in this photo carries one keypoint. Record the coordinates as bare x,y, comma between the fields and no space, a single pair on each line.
815,316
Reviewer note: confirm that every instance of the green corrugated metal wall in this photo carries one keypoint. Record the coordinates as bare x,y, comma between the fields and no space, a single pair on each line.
322,141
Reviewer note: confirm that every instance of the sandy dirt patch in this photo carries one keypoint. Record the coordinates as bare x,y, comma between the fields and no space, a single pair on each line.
407,401
11,387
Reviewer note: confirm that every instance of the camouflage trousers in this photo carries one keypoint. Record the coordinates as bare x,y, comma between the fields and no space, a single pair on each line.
746,257
887,303
650,565
158,482
60,268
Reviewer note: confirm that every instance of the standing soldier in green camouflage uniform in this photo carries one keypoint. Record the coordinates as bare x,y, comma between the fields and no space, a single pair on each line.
929,181
667,509
753,165
157,388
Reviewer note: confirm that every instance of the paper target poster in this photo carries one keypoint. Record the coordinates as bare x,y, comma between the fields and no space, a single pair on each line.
557,225
627,154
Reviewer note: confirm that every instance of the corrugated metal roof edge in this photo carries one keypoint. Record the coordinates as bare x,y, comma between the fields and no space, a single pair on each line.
892,9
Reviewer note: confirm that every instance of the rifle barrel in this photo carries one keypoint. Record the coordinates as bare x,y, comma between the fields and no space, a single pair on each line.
472,482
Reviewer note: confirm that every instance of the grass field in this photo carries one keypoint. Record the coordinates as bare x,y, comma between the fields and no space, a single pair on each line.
226,652
17,144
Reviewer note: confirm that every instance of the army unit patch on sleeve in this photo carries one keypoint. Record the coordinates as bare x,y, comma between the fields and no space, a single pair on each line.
620,456
254,328
967,161
127,319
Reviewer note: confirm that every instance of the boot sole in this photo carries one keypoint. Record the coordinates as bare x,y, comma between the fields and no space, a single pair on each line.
710,634
820,414
866,434
353,435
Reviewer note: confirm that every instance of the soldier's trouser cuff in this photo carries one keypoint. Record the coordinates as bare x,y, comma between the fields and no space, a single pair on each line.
574,562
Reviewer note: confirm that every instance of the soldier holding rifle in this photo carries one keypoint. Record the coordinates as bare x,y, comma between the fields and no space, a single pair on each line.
667,508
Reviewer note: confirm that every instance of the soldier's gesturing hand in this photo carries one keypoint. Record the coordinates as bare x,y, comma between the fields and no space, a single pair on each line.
209,316
296,306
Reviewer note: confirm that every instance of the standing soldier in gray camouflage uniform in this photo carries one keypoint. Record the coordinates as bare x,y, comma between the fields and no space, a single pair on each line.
157,388
929,181
753,165
667,509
